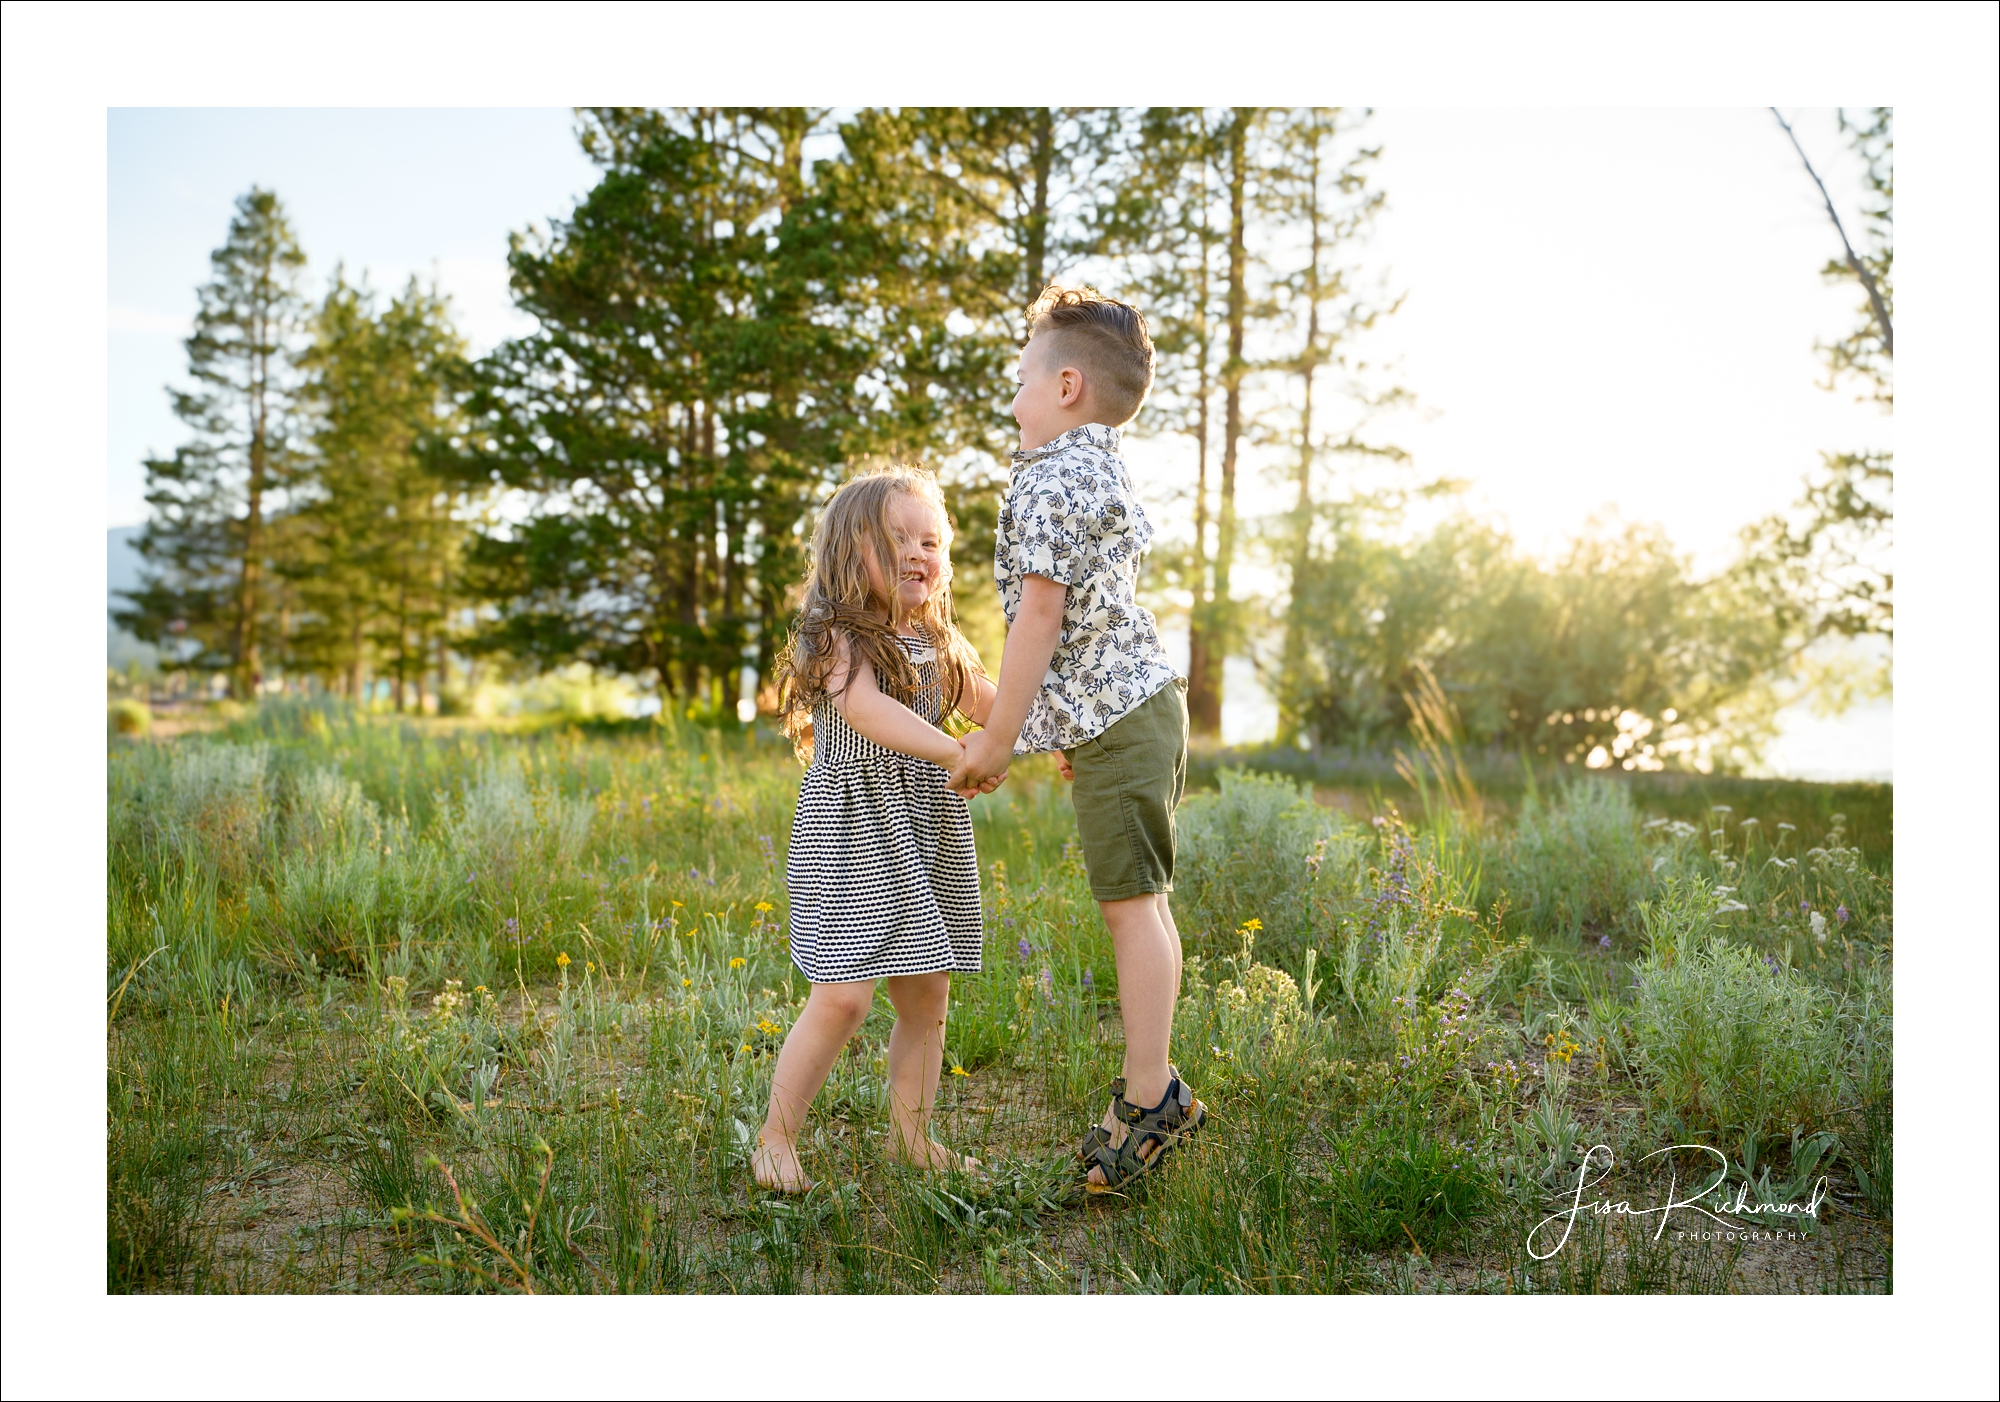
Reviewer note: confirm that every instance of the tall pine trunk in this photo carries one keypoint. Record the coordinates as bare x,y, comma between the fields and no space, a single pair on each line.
1302,508
247,674
1209,721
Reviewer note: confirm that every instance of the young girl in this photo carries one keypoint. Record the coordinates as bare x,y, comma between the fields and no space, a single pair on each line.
882,875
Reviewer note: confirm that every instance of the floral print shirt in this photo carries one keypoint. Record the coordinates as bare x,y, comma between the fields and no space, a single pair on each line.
1071,515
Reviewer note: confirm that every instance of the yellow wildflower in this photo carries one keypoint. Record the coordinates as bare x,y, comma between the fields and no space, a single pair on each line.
958,1070
1253,924
764,906
746,1046
737,963
687,983
562,961
589,967
679,905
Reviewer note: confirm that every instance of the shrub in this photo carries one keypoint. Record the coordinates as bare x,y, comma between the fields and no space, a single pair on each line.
1259,848
1575,858
1733,1044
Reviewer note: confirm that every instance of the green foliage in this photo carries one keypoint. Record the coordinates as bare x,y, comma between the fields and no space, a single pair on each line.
1613,647
1574,858
374,548
1733,1044
210,541
522,994
1258,848
1387,1190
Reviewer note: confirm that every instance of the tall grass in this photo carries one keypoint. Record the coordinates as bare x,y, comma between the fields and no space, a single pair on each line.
511,1001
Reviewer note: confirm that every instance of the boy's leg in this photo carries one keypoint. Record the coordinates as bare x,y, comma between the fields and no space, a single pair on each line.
916,1061
1148,950
833,1013
1127,783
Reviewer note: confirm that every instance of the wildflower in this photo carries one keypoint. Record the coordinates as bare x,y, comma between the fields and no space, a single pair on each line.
1086,980
763,907
1750,823
687,983
1720,808
1770,963
1048,984
768,1027
1024,949
562,960
1841,913
1730,907
746,1046
958,1070
737,962
589,967
1604,941
1819,927
511,926
1253,924
1805,907
679,905
1786,827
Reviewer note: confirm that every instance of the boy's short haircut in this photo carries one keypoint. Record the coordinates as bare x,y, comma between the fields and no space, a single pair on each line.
1103,337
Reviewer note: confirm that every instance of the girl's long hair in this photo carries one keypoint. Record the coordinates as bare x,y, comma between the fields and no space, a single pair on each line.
837,601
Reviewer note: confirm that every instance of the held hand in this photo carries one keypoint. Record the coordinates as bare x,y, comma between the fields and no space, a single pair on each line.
1063,766
981,770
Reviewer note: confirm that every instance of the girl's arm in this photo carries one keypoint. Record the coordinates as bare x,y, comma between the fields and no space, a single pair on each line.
883,719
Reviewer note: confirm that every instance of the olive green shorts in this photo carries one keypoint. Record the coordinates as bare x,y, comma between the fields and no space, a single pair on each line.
1128,782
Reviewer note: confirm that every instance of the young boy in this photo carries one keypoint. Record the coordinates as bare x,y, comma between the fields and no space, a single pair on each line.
1084,673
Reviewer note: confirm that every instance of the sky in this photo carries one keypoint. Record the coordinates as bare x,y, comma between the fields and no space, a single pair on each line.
1604,311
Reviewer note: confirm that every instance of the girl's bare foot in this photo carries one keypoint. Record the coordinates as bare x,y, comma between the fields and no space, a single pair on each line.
776,1167
926,1153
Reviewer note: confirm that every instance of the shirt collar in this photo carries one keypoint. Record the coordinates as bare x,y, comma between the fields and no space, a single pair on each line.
1096,435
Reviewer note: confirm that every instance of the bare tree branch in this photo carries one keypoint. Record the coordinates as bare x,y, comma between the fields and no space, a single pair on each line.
1860,269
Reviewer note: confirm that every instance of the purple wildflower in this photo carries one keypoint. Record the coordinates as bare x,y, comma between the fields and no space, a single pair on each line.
1841,913
1805,907
1086,980
1024,950
1048,984
1604,941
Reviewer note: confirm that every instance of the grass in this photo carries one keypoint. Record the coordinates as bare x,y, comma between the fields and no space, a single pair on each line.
429,1007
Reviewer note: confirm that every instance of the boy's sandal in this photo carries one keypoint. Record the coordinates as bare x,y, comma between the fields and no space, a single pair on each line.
1176,1117
1087,1147
1100,1137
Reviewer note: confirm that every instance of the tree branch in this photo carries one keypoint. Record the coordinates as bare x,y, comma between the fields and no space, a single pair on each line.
1860,269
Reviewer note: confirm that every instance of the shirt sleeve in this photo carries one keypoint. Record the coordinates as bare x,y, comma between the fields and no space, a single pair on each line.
1045,519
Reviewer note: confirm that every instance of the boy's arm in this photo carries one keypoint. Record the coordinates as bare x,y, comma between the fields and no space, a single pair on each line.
885,720
1031,643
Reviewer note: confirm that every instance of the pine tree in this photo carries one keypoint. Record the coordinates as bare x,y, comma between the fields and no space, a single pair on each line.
690,390
380,534
209,547
1320,186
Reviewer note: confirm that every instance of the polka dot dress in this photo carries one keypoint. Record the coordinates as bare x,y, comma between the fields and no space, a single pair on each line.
882,874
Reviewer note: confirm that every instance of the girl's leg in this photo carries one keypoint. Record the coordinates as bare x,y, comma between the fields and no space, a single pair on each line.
916,1061
1147,946
833,1013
